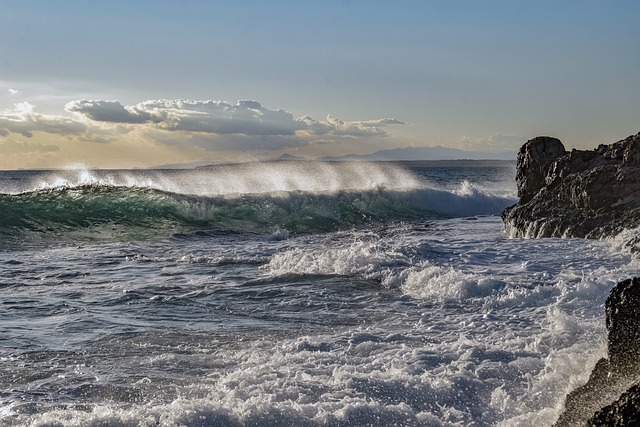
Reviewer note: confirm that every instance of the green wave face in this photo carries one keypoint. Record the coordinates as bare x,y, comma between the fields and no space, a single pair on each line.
258,198
94,211
119,211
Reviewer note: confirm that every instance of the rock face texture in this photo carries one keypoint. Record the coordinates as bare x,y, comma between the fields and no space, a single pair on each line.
603,401
576,193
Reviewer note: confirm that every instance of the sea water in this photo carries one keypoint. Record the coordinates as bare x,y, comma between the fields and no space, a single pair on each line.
290,294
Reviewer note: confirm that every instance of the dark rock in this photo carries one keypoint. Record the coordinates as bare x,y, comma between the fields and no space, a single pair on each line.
596,400
577,193
534,159
621,413
623,324
590,194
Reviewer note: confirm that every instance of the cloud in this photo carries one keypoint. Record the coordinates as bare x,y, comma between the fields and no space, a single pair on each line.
222,118
25,121
106,111
25,147
208,125
337,127
218,117
14,91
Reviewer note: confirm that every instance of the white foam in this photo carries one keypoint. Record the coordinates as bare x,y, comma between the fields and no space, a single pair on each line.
441,284
369,260
624,242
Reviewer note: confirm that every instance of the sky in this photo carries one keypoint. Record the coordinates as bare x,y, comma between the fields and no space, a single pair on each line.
123,83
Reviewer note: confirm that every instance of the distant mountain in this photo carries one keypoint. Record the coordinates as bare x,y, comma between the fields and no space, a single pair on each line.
287,156
428,153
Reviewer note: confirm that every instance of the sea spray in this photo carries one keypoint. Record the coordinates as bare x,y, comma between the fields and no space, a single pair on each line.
231,179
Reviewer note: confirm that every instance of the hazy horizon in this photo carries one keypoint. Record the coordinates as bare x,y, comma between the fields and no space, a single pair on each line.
136,84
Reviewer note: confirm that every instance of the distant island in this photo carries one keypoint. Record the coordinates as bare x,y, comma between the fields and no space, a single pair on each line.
438,156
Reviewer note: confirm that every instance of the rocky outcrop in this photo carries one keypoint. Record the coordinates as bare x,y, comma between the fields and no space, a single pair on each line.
599,401
534,161
575,193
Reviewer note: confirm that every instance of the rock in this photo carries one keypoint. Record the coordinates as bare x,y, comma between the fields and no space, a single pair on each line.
596,400
578,193
534,159
623,412
623,323
590,194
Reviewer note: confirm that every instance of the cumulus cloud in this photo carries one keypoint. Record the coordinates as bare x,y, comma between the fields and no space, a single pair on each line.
25,121
106,111
222,118
218,117
209,125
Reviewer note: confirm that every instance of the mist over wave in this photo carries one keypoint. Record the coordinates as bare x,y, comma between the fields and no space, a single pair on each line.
232,180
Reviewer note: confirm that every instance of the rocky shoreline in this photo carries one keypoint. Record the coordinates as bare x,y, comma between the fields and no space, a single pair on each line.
610,396
576,193
592,194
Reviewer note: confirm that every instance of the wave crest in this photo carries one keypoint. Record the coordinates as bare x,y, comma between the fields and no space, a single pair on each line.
299,197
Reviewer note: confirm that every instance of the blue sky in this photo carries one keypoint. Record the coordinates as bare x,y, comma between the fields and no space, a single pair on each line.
124,83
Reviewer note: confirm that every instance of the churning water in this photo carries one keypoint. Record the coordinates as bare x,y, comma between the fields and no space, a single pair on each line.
289,294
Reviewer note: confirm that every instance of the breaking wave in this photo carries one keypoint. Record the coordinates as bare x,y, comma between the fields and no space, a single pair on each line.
241,200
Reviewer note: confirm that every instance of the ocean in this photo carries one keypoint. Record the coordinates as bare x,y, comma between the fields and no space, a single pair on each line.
290,293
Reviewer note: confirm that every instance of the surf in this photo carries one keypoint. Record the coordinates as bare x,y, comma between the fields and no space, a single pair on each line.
298,197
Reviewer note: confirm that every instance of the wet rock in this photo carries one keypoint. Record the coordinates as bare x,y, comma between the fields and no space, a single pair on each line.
612,392
534,159
623,412
578,193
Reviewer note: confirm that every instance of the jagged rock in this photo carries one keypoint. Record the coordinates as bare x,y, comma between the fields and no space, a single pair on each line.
577,193
589,194
534,159
596,400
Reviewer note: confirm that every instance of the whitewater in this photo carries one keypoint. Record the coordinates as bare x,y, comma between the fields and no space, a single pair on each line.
290,293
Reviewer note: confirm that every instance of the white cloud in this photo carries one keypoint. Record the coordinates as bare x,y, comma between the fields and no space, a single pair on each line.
25,121
209,125
14,91
222,118
217,117
337,127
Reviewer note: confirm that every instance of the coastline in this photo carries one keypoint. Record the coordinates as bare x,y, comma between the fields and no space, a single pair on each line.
590,194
